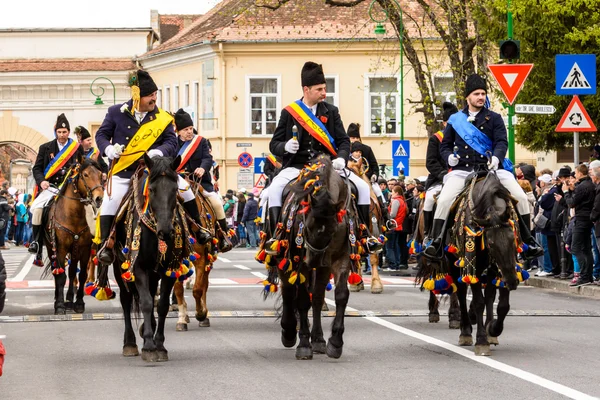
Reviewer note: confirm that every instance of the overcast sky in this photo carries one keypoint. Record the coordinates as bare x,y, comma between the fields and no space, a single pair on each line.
93,14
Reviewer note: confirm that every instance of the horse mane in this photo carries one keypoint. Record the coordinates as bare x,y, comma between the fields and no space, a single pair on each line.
487,210
161,166
322,206
89,162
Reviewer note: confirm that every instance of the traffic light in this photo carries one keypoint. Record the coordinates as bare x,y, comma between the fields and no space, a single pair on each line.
510,49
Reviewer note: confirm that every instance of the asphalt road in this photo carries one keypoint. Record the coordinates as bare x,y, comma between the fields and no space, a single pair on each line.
549,348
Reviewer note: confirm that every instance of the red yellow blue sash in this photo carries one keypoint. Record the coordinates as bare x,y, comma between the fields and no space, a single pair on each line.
439,135
59,161
312,125
188,150
273,161
92,153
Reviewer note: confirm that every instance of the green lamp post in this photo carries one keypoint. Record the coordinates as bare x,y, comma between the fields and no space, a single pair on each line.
99,101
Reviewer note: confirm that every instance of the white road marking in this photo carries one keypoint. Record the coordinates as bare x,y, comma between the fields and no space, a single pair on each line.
259,274
225,260
242,267
23,273
497,365
221,281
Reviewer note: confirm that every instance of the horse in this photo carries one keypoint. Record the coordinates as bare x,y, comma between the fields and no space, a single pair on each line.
153,221
316,239
67,234
374,227
483,250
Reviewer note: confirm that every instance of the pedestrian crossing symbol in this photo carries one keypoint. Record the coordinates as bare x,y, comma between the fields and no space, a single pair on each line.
575,74
575,79
401,157
400,152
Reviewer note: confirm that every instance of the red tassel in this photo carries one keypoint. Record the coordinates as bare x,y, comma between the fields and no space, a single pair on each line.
261,256
283,264
354,279
340,215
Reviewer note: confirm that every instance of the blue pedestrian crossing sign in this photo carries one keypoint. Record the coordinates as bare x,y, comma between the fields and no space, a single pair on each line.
401,157
575,74
259,165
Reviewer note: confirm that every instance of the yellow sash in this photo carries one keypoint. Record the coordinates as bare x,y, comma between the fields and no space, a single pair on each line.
143,140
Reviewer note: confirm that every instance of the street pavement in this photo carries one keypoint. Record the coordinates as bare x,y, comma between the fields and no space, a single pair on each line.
549,348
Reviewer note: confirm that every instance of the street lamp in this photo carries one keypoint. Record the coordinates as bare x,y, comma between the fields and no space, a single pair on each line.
99,101
380,32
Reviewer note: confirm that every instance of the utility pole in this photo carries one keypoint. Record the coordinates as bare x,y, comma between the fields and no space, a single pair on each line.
511,108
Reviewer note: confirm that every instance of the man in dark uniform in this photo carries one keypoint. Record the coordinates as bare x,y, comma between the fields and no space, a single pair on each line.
125,134
297,149
467,159
89,151
437,169
197,160
51,165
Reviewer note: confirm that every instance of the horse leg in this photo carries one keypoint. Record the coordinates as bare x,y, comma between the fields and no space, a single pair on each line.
454,312
434,314
496,326
181,306
163,309
342,294
81,261
200,284
490,297
206,322
304,350
288,314
318,299
142,283
482,346
466,330
59,284
71,269
376,285
130,348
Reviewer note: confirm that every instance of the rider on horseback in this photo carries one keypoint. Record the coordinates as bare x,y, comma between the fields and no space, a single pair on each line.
307,128
51,165
197,160
85,139
464,137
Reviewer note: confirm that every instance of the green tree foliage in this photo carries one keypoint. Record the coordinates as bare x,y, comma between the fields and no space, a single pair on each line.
547,28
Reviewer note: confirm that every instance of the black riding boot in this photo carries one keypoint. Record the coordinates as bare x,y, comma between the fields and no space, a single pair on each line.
534,250
224,241
191,208
35,244
435,249
106,256
373,244
274,215
427,220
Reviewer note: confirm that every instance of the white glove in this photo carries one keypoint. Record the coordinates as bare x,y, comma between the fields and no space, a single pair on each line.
155,152
453,160
339,164
493,165
292,146
113,151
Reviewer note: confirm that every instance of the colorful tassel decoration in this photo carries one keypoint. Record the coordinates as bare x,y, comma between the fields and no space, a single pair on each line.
354,279
126,265
261,256
128,276
292,278
329,286
58,271
429,284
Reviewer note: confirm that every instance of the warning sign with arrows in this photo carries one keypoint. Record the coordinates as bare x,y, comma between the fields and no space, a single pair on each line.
576,119
511,78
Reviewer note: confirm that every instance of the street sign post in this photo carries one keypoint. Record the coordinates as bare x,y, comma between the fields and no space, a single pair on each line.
575,74
259,165
245,178
534,109
401,157
245,160
510,78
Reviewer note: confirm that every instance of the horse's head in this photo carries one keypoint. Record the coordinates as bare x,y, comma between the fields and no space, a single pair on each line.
90,182
163,190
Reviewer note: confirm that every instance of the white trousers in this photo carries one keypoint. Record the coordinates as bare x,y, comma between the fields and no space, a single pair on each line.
454,182
430,197
287,174
377,190
43,198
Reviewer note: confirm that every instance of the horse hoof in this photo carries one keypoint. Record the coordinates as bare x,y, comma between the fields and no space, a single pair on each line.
60,311
288,342
181,327
201,317
204,323
434,318
304,353
493,340
353,288
452,324
69,305
130,350
187,319
361,286
332,351
173,307
465,340
376,289
79,308
163,355
149,355
483,350
319,347
324,307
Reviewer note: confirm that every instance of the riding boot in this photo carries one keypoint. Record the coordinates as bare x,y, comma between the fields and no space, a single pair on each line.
105,255
373,245
274,214
224,241
435,250
533,250
427,220
35,245
191,209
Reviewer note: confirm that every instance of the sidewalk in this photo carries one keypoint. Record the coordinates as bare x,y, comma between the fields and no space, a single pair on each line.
562,285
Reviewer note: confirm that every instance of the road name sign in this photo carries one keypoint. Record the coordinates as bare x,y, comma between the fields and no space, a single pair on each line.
534,109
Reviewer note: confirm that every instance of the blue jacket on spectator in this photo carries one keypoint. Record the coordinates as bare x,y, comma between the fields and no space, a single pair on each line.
547,202
250,210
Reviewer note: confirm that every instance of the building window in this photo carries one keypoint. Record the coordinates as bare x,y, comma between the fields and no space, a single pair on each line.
264,104
159,98
175,97
186,95
332,90
383,105
195,94
167,99
444,91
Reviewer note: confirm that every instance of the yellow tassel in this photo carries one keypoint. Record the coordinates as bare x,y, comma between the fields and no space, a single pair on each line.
135,96
454,288
302,278
474,279
265,282
520,276
98,236
268,259
293,278
429,284
275,245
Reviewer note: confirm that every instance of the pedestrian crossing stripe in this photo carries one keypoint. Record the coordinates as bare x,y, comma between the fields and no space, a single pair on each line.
575,79
400,151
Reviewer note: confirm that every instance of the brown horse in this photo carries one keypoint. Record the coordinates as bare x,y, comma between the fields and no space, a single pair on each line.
375,227
68,238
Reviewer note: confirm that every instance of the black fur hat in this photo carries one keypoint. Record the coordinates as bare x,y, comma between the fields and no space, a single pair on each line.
354,130
358,146
146,84
62,122
312,74
474,82
82,132
183,119
447,110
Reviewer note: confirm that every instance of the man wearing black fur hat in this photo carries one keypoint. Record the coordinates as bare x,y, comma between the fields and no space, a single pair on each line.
51,165
465,155
89,151
197,161
131,122
297,150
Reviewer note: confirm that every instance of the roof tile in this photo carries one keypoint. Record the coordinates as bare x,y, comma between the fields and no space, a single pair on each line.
66,64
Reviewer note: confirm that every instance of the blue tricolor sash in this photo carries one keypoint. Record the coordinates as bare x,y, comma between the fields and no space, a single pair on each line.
312,125
187,150
92,153
59,161
478,140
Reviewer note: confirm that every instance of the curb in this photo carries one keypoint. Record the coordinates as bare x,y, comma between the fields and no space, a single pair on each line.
561,285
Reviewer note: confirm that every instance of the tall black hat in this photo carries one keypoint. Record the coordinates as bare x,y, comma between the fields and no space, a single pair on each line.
146,84
82,132
447,110
62,122
183,119
312,74
354,130
474,82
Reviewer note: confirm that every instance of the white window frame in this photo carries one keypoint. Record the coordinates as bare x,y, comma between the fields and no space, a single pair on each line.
196,100
167,98
448,95
176,97
367,116
249,103
186,94
159,98
336,94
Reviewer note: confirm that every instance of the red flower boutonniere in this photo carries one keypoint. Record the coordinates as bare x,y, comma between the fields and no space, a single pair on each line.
323,119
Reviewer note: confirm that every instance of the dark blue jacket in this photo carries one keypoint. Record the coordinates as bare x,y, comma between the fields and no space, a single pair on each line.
200,159
488,122
547,202
120,127
250,210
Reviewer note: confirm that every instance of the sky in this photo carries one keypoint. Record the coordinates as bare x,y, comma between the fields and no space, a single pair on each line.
93,14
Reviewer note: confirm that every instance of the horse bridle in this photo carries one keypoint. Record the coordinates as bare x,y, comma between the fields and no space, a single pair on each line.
87,200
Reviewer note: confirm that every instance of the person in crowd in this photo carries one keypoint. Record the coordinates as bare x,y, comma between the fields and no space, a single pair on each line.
87,145
4,218
241,205
559,223
2,287
385,191
527,172
542,221
595,218
229,208
248,217
22,218
398,211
